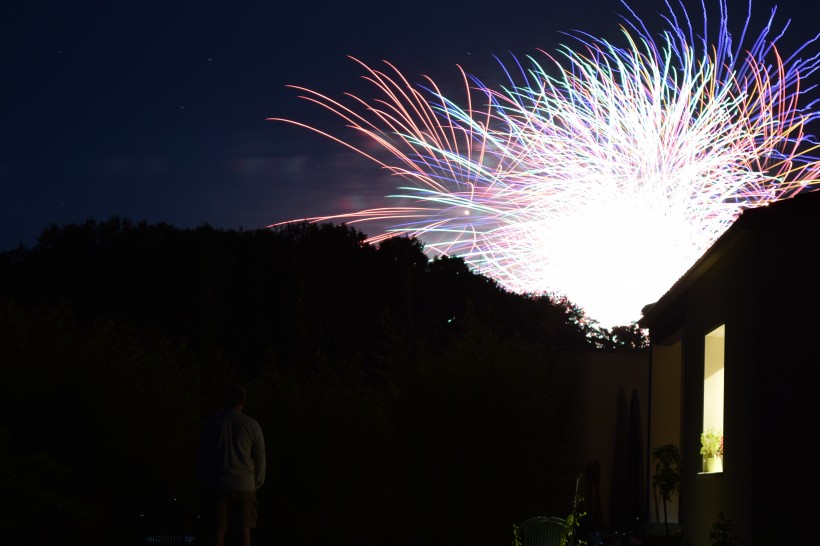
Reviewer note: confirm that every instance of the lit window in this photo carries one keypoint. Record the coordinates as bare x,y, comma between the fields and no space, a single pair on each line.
715,342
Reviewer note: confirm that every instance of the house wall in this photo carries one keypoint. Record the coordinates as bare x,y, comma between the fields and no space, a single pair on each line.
720,297
603,383
786,347
666,415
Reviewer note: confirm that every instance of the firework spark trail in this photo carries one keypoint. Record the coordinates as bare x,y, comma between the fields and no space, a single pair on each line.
603,173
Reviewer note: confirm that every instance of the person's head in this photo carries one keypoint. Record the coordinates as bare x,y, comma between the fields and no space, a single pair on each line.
234,397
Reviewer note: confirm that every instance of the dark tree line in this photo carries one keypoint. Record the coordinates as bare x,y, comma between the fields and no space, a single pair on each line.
404,401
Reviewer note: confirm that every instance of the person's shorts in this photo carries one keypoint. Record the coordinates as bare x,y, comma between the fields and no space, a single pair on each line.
236,509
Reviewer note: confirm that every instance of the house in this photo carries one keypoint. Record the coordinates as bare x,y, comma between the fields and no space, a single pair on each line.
735,346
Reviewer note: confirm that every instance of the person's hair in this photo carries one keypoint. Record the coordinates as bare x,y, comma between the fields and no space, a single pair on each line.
234,396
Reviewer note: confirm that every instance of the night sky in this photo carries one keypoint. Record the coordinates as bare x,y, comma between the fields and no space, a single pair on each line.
156,111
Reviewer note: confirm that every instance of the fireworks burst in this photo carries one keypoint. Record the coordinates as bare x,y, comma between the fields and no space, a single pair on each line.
600,172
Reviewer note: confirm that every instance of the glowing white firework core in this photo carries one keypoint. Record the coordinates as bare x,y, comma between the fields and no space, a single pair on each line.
602,175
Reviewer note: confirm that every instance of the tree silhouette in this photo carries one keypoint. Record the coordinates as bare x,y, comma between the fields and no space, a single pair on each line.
394,390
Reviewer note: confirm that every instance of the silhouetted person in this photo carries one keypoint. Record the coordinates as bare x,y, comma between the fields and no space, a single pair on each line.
232,468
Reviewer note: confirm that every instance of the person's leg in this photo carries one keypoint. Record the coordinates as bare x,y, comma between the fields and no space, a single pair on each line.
248,510
246,536
221,514
219,536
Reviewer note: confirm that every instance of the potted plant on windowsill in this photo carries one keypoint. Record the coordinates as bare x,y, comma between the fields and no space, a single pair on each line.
711,447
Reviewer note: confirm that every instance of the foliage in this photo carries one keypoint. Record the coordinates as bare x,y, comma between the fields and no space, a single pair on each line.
516,536
35,491
571,534
722,532
379,377
629,336
711,442
667,470
667,477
